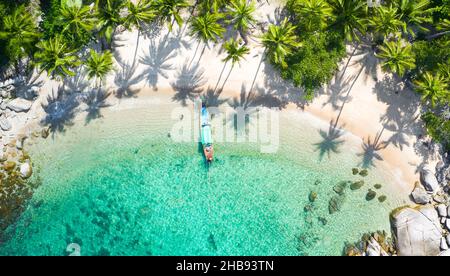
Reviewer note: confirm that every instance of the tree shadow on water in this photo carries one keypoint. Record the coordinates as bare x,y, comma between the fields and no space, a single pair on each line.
95,100
330,142
188,83
370,150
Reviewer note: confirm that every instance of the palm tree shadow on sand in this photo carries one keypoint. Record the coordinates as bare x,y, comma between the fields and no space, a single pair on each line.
212,98
124,79
331,141
370,150
157,62
60,110
95,101
188,83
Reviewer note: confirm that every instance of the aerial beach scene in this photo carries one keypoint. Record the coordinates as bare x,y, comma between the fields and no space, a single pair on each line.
224,128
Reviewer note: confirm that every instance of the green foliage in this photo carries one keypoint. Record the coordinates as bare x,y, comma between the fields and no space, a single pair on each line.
56,57
241,14
169,11
280,41
139,13
438,127
207,27
234,51
386,21
314,14
98,65
18,34
108,18
414,13
429,54
397,57
316,62
434,88
78,22
350,18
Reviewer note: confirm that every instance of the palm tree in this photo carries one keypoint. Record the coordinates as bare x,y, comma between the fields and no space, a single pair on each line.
108,18
138,14
98,65
235,53
433,88
169,11
207,27
397,57
241,14
386,22
349,17
78,20
414,13
19,33
279,42
313,14
213,6
443,26
56,57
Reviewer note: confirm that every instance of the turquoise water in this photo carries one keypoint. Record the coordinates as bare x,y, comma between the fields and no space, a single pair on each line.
121,186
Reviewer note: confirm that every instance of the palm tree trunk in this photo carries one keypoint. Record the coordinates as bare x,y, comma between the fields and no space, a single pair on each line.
348,61
433,36
201,54
136,50
346,96
195,53
257,70
220,76
226,79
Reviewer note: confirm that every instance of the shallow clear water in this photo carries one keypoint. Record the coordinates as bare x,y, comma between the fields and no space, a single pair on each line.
121,186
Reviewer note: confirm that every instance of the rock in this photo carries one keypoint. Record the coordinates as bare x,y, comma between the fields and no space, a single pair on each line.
26,170
45,132
370,195
356,185
340,187
448,239
448,211
417,231
429,181
440,197
9,165
364,173
4,123
420,195
444,245
312,196
447,224
3,106
382,198
443,220
377,186
442,210
335,203
373,248
355,171
445,253
19,105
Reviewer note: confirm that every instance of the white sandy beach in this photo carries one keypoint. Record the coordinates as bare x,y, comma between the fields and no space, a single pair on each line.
372,108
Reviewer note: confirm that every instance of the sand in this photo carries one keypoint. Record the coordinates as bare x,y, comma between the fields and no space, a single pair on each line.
167,64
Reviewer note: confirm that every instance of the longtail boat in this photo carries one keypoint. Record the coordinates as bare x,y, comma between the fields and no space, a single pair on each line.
206,135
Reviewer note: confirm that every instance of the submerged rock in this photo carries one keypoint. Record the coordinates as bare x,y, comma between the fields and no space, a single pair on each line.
370,195
312,196
364,173
19,105
382,198
377,186
355,171
340,187
417,230
335,203
356,185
